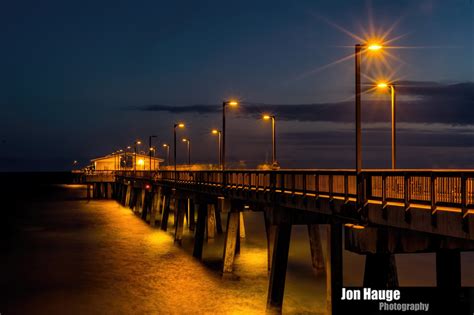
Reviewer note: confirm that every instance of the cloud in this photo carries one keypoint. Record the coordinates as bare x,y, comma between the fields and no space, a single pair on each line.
418,102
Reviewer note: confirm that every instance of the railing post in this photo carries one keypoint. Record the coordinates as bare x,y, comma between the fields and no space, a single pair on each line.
406,197
384,197
346,188
464,210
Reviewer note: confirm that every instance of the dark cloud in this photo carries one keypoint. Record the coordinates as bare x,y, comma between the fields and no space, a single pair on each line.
418,102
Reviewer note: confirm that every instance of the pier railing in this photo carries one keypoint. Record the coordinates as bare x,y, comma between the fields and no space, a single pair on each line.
431,188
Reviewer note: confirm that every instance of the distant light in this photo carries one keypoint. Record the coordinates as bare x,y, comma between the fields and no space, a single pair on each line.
215,131
139,142
129,147
181,125
147,186
165,145
152,149
233,103
266,117
185,140
141,162
374,47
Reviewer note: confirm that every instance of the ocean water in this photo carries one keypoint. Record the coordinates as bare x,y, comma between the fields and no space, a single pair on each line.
62,254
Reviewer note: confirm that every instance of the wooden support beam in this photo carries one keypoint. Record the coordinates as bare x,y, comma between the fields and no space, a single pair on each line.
192,215
317,258
166,212
231,237
200,230
276,286
211,221
241,225
156,205
128,195
448,269
380,271
179,224
145,204
219,219
334,268
270,231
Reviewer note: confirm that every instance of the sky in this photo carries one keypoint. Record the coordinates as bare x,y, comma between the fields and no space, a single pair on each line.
80,79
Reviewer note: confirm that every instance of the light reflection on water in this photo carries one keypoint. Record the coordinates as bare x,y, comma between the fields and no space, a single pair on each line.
97,257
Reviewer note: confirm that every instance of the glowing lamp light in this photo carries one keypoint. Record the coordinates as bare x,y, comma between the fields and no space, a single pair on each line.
147,186
141,162
185,140
233,103
215,131
382,85
266,117
374,47
181,125
165,145
139,142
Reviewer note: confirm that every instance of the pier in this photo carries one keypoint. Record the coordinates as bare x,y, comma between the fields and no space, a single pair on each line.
377,213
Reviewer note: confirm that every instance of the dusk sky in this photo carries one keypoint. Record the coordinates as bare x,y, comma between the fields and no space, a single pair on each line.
82,79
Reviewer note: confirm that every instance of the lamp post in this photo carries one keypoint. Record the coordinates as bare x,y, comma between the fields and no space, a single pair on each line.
179,125
224,104
219,147
272,118
150,148
137,142
167,153
391,87
188,141
373,47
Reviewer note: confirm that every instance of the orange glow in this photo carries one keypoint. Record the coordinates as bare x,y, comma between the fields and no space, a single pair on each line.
181,125
266,117
382,85
374,47
185,140
233,103
165,145
152,149
147,186
139,142
215,131
141,162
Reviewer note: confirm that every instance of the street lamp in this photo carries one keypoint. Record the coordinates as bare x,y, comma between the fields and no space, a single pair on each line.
272,118
137,142
224,104
179,125
219,148
188,141
167,153
150,148
372,47
391,87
